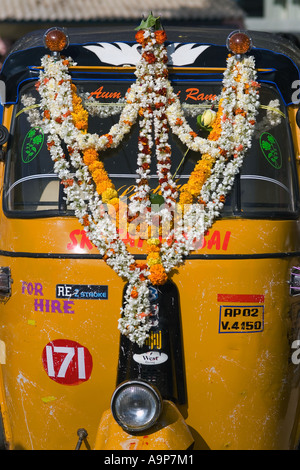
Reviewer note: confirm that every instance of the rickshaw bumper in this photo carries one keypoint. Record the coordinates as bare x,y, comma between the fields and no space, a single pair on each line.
170,432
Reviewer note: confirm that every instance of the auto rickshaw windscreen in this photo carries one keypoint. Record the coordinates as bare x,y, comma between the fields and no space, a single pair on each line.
265,187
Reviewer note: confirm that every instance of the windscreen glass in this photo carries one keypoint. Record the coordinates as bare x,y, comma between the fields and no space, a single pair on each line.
265,186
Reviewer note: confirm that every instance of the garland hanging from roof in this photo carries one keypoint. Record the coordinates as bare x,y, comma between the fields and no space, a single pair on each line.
152,101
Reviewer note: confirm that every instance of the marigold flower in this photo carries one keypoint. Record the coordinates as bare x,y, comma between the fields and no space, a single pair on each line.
143,315
240,111
155,96
86,220
160,36
149,57
115,201
110,140
141,266
197,178
89,156
153,241
185,198
193,134
81,125
178,122
79,114
139,37
153,248
132,266
108,194
154,255
134,294
68,182
216,126
158,275
103,185
96,165
99,175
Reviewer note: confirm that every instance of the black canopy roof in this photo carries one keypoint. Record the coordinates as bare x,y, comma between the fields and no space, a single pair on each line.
279,56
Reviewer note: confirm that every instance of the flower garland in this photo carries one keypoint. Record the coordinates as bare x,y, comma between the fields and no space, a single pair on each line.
151,99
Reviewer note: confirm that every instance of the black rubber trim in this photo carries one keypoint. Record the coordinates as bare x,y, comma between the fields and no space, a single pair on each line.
24,254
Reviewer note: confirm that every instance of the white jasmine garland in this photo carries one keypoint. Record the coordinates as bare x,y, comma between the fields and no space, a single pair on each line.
152,99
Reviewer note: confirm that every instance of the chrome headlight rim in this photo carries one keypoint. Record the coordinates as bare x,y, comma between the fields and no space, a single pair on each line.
145,387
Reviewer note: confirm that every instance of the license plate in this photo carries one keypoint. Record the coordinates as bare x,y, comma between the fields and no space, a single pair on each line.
241,319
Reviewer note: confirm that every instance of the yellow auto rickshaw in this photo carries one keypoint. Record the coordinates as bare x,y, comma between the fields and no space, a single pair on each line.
150,245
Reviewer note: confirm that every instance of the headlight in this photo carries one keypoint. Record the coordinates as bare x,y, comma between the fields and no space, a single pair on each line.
136,405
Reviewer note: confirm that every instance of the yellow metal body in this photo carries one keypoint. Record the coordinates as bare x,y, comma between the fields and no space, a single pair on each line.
169,433
242,386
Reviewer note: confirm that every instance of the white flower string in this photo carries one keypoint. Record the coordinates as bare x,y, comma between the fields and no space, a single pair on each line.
151,99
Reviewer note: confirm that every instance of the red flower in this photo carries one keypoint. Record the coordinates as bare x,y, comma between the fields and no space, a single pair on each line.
134,293
140,36
160,36
149,57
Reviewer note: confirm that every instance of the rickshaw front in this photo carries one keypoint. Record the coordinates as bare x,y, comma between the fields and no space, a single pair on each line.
150,245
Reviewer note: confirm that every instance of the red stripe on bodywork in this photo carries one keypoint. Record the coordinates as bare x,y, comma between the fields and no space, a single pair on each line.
243,298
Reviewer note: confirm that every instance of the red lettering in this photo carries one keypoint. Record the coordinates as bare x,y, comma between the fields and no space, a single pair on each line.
100,93
191,92
71,246
96,93
194,94
226,241
85,241
204,241
215,240
210,97
129,240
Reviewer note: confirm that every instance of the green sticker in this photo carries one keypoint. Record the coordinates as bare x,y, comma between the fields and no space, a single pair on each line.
32,144
270,149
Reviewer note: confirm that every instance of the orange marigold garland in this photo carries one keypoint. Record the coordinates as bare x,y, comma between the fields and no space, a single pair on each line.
202,171
65,119
80,115
158,274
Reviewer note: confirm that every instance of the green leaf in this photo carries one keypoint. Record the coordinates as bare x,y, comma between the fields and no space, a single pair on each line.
156,199
150,22
199,122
